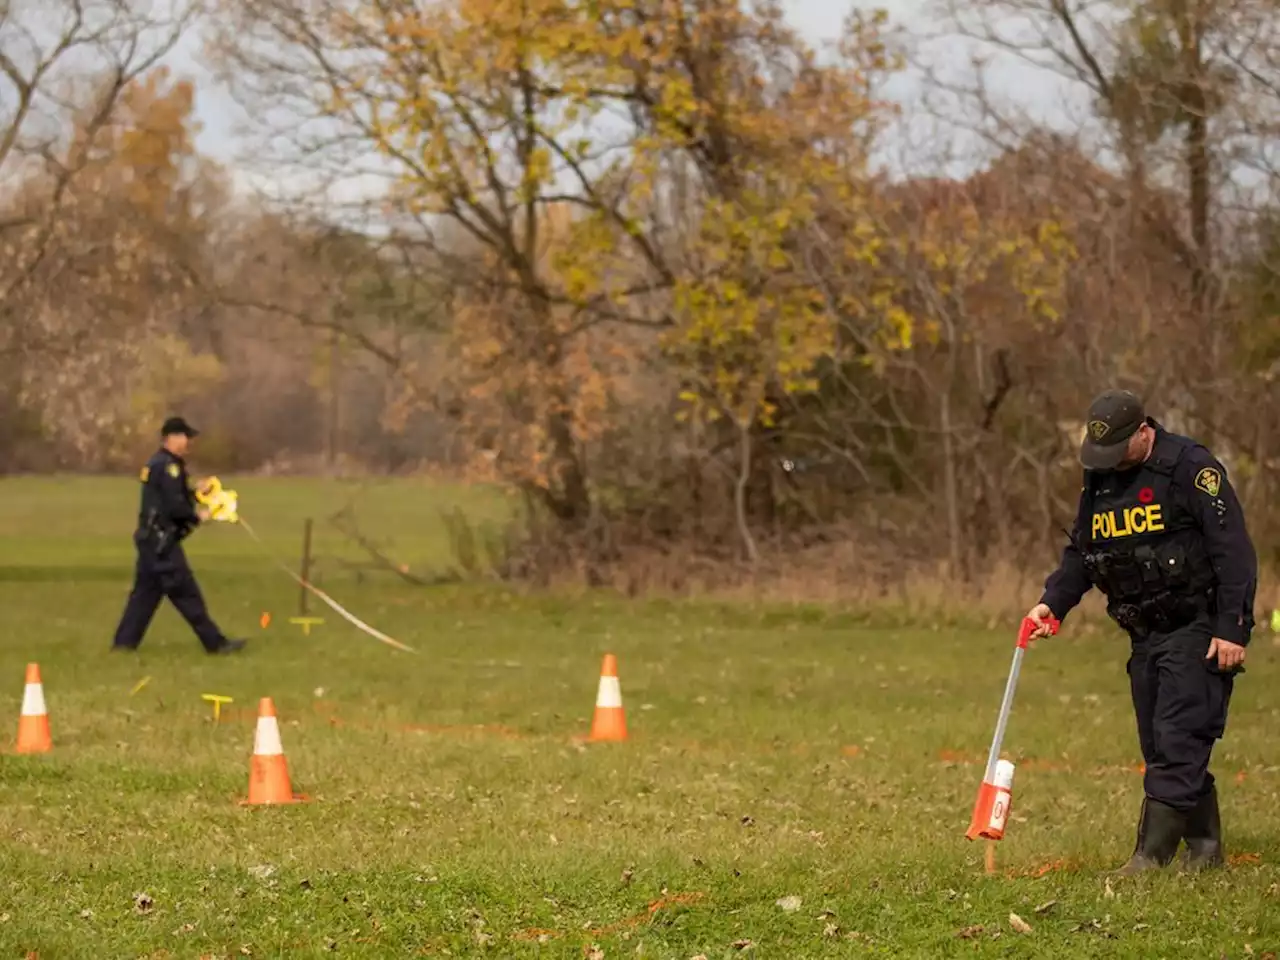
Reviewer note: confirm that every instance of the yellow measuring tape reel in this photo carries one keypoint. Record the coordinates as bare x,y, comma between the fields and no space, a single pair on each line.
223,504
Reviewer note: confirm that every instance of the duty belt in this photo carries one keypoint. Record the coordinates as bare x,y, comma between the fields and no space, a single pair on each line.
1163,613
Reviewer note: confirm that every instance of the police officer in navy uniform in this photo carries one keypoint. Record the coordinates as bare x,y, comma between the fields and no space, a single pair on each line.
168,514
1160,532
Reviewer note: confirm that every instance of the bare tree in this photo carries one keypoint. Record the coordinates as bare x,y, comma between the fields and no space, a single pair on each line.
64,65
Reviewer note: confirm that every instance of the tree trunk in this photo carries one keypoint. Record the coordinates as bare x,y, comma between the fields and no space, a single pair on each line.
1196,105
572,501
740,494
566,495
949,480
331,452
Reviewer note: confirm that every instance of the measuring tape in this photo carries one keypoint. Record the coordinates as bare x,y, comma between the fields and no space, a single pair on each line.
224,506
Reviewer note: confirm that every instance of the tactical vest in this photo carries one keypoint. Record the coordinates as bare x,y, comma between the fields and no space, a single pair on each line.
155,528
1142,545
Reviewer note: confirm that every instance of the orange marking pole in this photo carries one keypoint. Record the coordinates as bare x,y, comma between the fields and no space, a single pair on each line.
268,772
995,795
33,724
609,722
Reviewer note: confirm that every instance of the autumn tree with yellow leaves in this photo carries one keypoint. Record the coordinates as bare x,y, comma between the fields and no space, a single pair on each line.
503,119
664,167
96,150
118,278
485,114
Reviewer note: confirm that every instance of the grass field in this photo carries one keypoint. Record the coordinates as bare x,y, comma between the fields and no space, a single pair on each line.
797,783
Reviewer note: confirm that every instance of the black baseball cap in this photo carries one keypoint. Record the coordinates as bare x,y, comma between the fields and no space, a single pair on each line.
1113,417
178,425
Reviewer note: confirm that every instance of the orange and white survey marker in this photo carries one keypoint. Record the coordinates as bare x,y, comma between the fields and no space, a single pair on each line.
995,795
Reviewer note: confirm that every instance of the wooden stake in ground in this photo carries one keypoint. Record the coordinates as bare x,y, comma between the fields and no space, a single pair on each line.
304,570
991,856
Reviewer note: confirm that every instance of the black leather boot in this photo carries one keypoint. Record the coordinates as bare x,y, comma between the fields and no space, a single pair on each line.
1160,830
1204,834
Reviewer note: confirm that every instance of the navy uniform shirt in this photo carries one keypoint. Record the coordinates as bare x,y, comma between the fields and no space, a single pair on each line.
1199,497
167,489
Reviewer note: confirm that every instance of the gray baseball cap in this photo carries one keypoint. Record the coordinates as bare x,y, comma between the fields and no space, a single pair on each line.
1113,417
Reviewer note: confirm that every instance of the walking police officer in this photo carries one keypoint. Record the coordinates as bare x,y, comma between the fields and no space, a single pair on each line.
168,514
1160,532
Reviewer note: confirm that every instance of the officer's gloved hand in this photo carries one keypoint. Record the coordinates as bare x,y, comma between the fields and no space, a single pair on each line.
1041,614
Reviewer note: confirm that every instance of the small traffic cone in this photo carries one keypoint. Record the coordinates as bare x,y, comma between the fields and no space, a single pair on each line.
609,723
268,772
33,725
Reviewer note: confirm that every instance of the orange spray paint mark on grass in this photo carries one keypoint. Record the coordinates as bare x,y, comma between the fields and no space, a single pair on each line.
1044,869
662,903
647,915
537,933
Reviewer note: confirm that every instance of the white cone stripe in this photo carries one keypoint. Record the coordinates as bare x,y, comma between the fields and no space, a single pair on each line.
610,693
33,700
266,740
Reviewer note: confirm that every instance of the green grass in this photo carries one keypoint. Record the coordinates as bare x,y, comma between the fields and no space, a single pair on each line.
773,754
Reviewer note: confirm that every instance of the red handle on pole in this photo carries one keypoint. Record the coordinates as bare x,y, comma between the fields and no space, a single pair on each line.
1029,627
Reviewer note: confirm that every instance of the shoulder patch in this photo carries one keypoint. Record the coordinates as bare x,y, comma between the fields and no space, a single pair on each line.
174,470
145,473
1209,480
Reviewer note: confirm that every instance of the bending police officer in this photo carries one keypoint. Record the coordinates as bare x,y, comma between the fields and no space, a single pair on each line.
167,516
1160,532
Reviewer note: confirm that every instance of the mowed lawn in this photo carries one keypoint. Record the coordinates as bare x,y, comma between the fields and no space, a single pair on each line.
796,783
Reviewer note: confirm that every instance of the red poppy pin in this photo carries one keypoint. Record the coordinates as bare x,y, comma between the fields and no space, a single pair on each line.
1146,495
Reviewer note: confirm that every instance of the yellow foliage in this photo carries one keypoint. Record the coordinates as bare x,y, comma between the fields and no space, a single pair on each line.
746,328
972,260
168,372
146,155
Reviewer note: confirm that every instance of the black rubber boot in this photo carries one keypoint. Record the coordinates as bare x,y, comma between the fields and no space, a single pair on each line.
1204,834
1160,830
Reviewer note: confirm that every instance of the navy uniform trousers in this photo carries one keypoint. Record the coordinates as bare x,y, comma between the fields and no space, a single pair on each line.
1180,700
156,578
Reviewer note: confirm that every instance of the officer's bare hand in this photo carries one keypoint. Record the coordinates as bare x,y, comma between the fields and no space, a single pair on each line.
1041,614
1229,654
203,514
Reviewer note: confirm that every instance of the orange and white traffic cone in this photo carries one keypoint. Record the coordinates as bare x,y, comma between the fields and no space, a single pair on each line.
609,722
268,772
33,725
